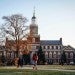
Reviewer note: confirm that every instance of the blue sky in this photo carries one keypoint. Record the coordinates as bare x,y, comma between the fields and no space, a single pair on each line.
55,18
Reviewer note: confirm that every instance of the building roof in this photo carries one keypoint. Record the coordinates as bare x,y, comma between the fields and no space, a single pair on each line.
68,47
50,42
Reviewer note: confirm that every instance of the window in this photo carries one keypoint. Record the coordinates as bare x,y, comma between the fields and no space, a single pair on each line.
48,47
56,47
68,55
46,54
37,39
71,55
50,55
33,47
54,54
44,47
33,40
52,47
37,47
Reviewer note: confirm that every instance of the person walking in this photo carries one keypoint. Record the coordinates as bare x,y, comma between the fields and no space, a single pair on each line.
17,62
35,59
21,62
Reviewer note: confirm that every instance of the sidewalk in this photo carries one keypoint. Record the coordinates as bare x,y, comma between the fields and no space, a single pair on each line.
38,67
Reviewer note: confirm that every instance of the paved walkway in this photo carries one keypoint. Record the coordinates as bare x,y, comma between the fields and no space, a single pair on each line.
39,68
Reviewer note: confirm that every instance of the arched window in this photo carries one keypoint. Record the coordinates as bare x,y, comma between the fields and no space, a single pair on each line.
71,55
54,54
46,54
50,54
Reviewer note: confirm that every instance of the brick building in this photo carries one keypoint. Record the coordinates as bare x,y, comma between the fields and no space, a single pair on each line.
51,48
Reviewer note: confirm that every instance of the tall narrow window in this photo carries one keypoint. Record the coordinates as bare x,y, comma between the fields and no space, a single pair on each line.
33,40
56,47
52,47
48,47
44,47
46,54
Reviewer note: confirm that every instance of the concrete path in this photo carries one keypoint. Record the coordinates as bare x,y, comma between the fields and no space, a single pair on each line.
38,67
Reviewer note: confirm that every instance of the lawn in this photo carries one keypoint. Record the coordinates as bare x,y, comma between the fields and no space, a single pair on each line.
33,72
42,70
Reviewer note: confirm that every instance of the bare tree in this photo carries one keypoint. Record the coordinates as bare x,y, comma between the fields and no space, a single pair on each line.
15,28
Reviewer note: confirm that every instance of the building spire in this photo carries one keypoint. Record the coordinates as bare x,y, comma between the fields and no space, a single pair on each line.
34,13
33,19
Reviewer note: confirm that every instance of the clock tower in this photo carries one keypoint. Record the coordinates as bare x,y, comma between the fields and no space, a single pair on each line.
33,38
33,26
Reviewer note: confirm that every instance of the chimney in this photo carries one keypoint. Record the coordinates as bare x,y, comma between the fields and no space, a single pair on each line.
61,40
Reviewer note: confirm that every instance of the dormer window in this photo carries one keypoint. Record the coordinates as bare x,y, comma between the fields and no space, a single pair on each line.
52,47
48,47
56,47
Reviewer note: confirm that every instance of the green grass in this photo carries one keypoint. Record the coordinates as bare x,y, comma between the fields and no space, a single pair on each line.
32,72
42,70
